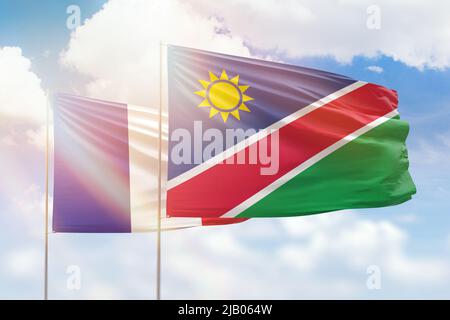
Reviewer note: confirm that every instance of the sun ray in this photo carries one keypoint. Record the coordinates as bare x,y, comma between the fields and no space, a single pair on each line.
213,112
235,113
224,75
225,116
243,88
246,98
243,107
235,80
213,77
201,93
204,103
204,83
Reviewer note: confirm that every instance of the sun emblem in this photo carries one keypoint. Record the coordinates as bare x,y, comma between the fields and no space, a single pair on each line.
224,96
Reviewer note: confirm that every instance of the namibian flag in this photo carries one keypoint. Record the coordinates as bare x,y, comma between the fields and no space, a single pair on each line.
251,138
106,168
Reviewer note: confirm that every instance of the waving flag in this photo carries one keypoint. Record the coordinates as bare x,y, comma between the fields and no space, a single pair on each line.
250,138
106,168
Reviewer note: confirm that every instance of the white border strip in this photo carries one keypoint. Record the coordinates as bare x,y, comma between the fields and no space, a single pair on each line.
305,165
262,134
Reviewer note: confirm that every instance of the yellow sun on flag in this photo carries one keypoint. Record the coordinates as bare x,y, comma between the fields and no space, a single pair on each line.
224,96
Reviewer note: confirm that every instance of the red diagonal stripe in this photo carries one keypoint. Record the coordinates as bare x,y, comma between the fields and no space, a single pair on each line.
224,186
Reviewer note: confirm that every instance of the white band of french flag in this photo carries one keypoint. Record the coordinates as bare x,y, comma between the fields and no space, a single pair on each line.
143,138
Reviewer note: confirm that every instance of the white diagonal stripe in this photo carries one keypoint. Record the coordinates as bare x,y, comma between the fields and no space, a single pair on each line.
261,135
305,165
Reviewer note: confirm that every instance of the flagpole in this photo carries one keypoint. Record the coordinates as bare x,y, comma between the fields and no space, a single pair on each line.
158,236
46,197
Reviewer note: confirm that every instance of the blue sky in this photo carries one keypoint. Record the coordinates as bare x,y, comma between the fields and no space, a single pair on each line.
228,262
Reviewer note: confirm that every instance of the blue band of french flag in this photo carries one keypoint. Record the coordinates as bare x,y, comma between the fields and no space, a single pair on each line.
106,168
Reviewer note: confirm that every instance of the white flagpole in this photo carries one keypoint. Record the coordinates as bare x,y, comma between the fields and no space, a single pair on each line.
46,196
158,237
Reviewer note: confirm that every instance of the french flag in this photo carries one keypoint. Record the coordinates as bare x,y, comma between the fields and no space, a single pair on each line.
106,168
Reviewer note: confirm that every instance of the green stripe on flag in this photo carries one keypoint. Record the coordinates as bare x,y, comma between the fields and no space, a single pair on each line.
370,171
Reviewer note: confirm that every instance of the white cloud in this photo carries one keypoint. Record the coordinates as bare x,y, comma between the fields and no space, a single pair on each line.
432,151
339,29
376,69
28,206
37,137
47,53
119,47
22,263
7,140
23,102
22,116
21,95
360,242
31,201
323,256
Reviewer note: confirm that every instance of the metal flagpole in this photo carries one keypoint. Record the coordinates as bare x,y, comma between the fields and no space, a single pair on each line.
158,237
46,197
